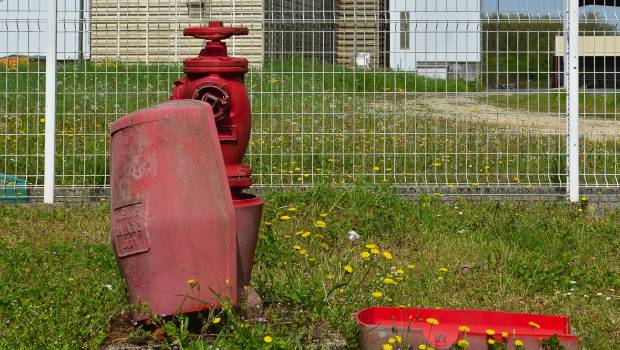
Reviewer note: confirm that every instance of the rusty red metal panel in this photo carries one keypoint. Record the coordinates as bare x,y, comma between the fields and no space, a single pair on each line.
172,214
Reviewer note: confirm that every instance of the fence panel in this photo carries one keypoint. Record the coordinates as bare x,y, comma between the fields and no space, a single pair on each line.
449,96
22,98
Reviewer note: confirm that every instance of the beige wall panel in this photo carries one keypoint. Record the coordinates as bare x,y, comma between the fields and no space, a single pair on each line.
150,31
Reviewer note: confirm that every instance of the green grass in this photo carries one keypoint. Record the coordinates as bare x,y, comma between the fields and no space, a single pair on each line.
597,105
55,263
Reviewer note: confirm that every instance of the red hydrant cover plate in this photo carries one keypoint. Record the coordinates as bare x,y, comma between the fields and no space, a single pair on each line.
172,216
378,324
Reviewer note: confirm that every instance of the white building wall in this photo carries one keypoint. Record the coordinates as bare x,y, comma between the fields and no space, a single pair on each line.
24,28
441,32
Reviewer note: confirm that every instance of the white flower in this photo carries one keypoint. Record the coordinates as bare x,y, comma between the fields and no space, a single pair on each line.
573,282
109,286
353,236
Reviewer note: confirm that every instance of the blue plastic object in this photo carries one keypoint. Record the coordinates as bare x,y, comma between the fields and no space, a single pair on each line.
12,189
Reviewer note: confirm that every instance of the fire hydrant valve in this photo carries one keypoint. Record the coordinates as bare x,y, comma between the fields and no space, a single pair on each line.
214,56
218,79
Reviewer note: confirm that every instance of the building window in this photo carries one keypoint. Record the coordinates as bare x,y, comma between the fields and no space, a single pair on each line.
197,9
404,30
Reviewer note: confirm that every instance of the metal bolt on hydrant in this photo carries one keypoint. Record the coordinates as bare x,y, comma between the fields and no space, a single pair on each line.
183,229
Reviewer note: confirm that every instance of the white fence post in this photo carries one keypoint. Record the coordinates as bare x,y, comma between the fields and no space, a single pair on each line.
50,104
572,100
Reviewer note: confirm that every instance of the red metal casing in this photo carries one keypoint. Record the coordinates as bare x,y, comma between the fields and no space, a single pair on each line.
218,79
172,214
378,324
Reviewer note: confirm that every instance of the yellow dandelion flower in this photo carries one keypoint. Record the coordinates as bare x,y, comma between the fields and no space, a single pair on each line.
391,340
491,341
387,255
443,269
323,215
411,267
306,234
534,324
377,294
348,268
490,332
303,252
375,251
388,280
422,347
267,339
504,334
320,224
299,233
191,282
285,218
386,347
432,321
216,320
463,328
292,209
365,255
267,223
436,164
324,245
398,338
376,168
371,246
463,343
297,247
400,271
518,342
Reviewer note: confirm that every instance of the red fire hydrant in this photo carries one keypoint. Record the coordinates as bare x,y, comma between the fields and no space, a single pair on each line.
183,230
218,79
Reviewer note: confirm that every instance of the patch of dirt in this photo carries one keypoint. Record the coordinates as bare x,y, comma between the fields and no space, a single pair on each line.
471,110
119,335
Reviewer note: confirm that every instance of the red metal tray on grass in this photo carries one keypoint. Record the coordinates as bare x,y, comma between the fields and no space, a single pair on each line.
416,326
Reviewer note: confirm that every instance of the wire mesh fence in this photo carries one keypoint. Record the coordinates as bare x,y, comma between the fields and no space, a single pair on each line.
449,96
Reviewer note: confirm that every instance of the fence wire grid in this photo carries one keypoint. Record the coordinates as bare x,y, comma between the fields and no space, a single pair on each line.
449,96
